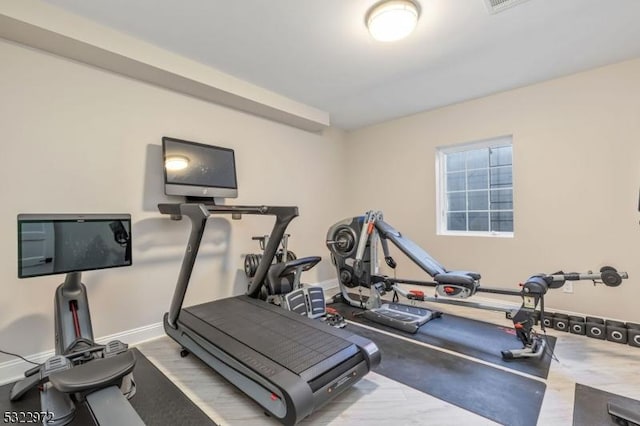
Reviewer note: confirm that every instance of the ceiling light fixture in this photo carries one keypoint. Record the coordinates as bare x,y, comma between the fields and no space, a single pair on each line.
393,19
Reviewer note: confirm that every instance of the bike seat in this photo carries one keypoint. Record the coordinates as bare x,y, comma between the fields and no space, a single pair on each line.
279,276
95,374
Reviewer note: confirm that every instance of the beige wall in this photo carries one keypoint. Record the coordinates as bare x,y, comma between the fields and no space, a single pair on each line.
79,139
576,143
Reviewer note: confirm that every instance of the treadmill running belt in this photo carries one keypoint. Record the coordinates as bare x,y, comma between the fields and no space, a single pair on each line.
294,345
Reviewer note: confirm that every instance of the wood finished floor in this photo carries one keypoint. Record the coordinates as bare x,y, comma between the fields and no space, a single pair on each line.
377,400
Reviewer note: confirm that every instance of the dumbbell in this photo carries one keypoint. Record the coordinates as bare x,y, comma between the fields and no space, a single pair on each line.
616,331
633,334
577,325
548,320
596,328
561,322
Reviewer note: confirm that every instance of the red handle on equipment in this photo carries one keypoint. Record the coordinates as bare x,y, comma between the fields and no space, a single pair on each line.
370,228
417,293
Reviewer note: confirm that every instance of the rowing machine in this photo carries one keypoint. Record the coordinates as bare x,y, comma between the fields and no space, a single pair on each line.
353,244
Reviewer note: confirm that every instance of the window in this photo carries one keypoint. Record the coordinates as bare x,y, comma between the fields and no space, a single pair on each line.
475,188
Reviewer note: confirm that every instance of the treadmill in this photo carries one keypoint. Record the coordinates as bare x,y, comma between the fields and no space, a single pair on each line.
289,364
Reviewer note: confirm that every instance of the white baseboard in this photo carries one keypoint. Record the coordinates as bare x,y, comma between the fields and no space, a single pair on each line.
11,371
328,284
136,335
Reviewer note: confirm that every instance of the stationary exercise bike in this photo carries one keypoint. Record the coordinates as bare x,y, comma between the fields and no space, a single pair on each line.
283,287
81,371
283,254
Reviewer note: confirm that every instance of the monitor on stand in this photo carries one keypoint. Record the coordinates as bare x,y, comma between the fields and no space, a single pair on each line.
69,244
81,371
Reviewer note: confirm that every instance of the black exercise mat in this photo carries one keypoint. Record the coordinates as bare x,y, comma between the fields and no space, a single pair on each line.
157,400
498,395
477,339
590,406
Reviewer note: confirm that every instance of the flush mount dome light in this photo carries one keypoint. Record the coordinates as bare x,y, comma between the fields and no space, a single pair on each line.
176,162
392,20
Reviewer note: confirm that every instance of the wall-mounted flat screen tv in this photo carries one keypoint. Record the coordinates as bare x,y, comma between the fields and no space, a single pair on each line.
196,170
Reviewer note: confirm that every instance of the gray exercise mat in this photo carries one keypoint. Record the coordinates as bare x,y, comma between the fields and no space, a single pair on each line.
477,339
590,406
501,396
157,400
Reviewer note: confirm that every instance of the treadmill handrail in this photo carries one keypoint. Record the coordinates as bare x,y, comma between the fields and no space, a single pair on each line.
198,213
176,209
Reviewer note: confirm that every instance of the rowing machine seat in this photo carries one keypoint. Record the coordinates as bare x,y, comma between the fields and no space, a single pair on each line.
459,284
465,278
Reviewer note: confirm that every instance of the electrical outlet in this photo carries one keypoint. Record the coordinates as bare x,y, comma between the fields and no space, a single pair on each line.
568,287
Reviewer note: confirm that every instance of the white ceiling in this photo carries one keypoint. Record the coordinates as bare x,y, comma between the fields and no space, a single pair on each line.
319,52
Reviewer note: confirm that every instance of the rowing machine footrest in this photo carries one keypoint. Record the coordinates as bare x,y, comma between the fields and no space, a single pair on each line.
402,317
114,347
534,351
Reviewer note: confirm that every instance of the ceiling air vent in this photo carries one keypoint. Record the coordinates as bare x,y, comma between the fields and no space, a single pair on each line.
496,6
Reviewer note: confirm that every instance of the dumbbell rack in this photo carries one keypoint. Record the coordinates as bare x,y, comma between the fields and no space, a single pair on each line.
595,327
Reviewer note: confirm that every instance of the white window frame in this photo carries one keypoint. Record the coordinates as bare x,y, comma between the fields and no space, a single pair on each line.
441,194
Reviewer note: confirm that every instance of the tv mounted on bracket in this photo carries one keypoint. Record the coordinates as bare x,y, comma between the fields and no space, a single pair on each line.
198,171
